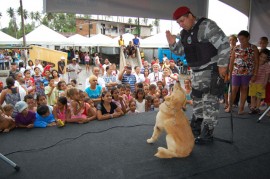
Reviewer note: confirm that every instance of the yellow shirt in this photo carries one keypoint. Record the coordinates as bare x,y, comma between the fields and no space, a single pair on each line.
121,42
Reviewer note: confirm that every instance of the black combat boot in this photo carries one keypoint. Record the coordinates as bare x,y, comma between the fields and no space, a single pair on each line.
206,136
195,125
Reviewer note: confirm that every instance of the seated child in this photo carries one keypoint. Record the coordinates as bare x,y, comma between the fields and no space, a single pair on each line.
24,118
61,110
77,107
156,103
153,90
73,83
89,111
128,93
51,92
118,100
29,99
8,110
148,103
6,123
164,92
43,117
92,111
146,89
132,108
140,100
42,100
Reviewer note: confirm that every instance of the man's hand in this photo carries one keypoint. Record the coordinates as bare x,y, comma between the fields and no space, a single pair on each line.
222,72
170,38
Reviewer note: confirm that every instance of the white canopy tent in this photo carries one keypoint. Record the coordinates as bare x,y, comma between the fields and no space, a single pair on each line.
43,35
126,37
155,41
6,39
100,40
79,40
258,11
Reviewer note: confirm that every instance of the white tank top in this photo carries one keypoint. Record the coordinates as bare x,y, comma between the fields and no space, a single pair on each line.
140,106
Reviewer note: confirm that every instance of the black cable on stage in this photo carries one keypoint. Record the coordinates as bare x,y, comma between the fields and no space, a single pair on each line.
74,138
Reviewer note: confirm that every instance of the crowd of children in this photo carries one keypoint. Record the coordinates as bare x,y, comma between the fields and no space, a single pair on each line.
49,100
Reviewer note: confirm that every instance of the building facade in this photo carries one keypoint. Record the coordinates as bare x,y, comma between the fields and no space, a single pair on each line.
90,27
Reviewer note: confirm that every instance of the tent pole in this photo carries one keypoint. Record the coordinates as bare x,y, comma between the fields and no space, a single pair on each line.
249,15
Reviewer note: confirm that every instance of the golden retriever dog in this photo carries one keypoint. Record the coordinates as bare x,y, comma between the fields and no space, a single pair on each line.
172,119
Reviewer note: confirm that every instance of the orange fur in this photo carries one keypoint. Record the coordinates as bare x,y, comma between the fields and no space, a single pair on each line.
172,119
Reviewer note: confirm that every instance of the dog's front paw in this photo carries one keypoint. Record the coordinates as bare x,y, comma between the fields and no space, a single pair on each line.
150,141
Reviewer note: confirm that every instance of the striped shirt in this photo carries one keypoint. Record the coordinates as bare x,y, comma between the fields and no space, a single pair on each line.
129,79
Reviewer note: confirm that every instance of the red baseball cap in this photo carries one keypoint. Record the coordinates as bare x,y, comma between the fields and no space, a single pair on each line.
180,12
171,61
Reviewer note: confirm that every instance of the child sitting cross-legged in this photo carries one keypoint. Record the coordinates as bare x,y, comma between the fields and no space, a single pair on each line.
24,118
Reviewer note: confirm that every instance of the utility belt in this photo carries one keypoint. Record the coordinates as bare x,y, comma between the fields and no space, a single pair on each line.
216,83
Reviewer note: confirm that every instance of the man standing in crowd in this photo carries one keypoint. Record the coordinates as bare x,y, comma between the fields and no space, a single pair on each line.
73,70
127,78
207,52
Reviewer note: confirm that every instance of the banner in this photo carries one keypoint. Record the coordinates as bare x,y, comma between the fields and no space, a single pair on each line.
48,55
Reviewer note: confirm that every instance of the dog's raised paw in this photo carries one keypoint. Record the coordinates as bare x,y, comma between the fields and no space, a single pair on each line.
150,141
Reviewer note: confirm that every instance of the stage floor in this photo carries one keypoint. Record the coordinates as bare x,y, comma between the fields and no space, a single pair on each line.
117,148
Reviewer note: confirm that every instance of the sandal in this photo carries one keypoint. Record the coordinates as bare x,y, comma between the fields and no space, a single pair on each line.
252,111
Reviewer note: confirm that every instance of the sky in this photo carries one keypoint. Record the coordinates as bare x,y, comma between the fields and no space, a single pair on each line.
227,18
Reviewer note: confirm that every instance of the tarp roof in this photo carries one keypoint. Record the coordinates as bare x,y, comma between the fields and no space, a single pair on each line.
140,8
79,40
43,35
257,11
6,39
155,41
100,40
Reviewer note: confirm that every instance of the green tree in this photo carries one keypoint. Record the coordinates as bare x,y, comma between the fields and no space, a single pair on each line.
64,22
25,13
12,22
37,16
29,27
